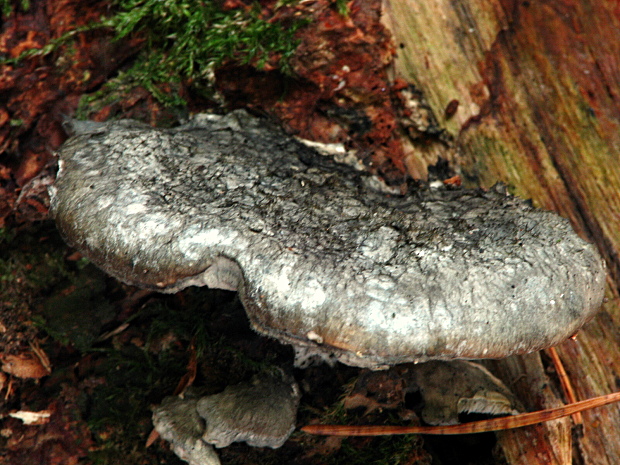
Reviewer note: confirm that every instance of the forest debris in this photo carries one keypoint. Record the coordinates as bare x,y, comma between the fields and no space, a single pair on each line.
24,365
32,418
453,388
482,426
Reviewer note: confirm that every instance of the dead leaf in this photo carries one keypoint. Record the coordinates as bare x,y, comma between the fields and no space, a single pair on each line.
24,365
32,418
357,400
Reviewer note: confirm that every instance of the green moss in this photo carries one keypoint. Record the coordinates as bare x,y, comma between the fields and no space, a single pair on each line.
342,6
7,6
110,93
185,40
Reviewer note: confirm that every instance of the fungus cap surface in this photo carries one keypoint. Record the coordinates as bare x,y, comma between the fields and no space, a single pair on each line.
178,422
319,258
261,412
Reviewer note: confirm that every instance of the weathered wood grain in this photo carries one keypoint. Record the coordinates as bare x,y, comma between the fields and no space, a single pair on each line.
539,91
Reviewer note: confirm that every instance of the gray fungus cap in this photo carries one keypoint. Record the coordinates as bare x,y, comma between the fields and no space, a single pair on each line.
321,259
261,412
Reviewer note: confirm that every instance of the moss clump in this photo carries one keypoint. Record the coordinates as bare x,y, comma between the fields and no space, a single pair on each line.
185,40
6,6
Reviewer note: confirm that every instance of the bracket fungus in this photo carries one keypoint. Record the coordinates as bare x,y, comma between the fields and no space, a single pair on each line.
320,259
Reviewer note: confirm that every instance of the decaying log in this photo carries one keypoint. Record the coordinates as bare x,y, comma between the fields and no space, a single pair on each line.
538,90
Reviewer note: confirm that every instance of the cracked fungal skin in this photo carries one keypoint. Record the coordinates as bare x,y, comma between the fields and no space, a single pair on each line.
177,421
319,258
261,412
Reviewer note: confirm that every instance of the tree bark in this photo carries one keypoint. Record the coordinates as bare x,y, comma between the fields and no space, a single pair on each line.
537,85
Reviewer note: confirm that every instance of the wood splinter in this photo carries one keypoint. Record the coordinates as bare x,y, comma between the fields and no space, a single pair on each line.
483,426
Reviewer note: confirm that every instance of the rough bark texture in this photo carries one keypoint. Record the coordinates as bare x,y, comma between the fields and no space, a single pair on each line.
319,258
539,109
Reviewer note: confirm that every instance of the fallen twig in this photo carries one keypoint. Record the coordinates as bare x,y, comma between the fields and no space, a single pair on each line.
567,387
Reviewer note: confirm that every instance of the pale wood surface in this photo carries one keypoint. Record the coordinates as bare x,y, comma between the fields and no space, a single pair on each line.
538,85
